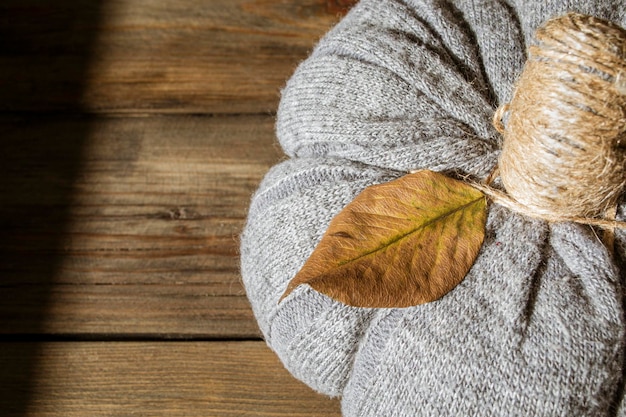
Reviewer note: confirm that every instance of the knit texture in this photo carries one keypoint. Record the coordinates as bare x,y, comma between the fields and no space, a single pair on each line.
535,329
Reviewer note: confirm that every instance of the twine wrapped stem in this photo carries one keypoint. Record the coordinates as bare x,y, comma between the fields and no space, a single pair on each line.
563,155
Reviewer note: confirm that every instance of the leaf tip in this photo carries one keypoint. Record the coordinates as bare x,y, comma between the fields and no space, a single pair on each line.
288,291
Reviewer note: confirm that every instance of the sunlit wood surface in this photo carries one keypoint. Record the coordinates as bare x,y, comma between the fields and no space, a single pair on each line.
133,136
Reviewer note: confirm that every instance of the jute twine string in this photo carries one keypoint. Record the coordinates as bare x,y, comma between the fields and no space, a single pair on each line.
563,155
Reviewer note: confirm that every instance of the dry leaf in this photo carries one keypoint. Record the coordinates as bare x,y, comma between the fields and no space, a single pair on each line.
398,244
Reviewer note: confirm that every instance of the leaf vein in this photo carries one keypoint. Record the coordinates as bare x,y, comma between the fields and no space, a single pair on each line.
410,232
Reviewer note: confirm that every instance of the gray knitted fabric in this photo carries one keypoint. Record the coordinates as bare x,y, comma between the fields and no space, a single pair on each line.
535,329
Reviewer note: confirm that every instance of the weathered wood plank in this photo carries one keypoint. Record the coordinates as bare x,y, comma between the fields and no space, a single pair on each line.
217,379
104,311
226,56
147,241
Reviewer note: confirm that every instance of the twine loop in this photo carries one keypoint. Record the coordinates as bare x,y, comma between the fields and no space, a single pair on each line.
564,148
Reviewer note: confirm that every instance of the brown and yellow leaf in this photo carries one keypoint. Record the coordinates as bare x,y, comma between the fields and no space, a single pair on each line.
399,244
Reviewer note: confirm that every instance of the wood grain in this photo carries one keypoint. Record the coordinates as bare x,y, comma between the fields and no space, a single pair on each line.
148,243
122,199
106,311
217,379
223,56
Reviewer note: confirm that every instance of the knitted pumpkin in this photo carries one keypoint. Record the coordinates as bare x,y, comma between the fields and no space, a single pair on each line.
536,328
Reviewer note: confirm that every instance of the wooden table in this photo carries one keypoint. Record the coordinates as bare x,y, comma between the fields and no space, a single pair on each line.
134,133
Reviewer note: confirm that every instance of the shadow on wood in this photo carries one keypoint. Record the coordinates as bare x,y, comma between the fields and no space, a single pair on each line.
42,45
